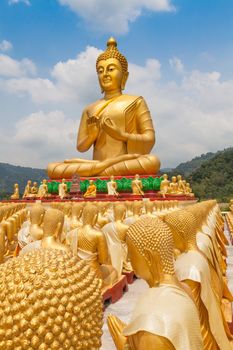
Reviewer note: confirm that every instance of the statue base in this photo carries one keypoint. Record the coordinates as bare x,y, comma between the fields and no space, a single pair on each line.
113,294
130,276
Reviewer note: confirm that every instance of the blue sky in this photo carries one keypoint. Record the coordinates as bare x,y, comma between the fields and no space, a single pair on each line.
180,55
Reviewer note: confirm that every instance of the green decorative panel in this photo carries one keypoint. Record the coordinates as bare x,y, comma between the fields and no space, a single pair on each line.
123,185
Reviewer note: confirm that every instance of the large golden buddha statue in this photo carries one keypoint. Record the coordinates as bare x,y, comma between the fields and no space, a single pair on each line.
118,126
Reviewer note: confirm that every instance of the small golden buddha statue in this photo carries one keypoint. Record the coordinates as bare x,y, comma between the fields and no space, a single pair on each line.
112,187
165,317
149,208
103,218
181,184
52,230
15,195
49,300
34,189
27,190
62,189
43,190
192,268
76,215
231,205
137,186
173,187
115,234
137,212
164,186
75,224
91,190
92,247
119,127
188,190
37,213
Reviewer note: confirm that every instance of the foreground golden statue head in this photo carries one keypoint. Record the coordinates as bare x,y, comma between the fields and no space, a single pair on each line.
49,300
150,248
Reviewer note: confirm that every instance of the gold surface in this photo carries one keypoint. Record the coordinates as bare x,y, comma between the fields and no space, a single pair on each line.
49,300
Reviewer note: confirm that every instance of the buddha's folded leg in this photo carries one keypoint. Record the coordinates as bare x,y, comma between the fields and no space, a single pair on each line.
142,165
90,168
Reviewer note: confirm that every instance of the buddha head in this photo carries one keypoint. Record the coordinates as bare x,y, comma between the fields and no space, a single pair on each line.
77,210
49,300
112,178
137,207
150,249
119,212
165,176
90,215
53,223
37,214
183,226
149,206
112,68
174,179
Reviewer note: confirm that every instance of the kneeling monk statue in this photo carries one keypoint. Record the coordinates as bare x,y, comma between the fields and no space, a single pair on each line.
119,127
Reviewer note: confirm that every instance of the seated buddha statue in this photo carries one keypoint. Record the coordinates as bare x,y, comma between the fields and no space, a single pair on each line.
192,268
181,184
62,189
43,190
92,247
118,126
15,195
34,190
27,190
173,187
164,185
165,317
112,187
137,186
115,234
91,190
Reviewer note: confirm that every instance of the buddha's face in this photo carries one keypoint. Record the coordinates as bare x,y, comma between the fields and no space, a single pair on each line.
139,263
110,74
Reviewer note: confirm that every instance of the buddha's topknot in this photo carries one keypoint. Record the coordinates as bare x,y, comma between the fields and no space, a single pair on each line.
113,52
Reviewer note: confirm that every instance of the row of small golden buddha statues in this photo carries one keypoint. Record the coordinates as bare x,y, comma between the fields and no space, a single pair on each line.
177,186
71,253
31,191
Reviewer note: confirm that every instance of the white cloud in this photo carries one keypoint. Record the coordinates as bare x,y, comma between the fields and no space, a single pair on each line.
73,80
5,46
114,16
192,116
40,138
14,2
13,68
177,65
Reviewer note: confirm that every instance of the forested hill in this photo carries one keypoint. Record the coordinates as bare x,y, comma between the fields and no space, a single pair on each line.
214,177
210,175
11,174
188,167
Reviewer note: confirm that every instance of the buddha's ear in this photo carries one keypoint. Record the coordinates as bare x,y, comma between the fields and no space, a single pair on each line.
124,80
155,266
41,219
57,231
